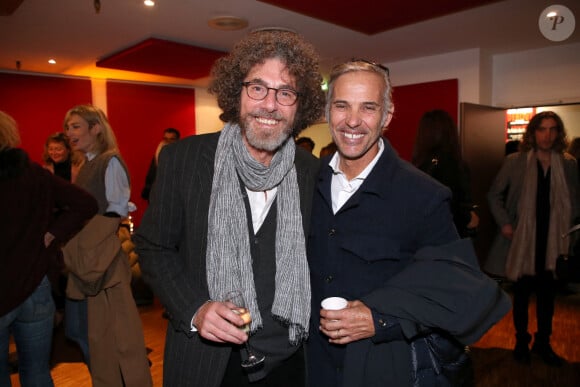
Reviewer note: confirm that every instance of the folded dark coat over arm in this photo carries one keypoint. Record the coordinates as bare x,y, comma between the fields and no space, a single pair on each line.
444,288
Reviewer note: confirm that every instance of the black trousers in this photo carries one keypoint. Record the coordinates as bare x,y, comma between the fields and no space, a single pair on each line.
544,286
292,373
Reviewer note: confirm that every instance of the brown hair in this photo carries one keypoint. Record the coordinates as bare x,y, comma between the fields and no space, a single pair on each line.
75,157
529,138
300,59
59,138
436,135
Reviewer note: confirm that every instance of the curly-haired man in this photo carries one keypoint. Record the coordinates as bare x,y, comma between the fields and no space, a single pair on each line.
229,211
534,201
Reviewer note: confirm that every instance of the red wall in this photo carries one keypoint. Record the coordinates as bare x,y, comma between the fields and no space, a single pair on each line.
411,101
38,104
138,114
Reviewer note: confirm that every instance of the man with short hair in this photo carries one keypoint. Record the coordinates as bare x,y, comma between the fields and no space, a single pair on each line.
382,236
230,211
170,135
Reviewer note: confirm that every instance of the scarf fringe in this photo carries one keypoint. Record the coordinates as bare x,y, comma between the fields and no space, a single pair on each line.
297,333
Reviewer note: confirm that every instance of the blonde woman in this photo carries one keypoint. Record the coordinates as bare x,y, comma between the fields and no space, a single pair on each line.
114,339
89,131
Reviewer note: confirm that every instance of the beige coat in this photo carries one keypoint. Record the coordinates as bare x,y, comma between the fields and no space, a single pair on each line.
99,271
503,197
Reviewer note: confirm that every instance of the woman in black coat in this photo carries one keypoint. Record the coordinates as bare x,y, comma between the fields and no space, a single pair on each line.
30,239
437,153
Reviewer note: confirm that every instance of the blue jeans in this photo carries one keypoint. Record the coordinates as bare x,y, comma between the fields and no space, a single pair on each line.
31,324
76,324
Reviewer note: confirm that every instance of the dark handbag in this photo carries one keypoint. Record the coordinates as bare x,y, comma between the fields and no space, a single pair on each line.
438,360
568,266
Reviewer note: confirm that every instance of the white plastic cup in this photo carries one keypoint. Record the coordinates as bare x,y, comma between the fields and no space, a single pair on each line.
333,303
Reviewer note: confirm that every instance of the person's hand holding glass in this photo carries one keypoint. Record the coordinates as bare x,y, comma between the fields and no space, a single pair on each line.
235,301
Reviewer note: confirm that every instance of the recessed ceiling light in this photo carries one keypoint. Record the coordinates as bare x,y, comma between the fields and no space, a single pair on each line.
149,3
51,61
227,23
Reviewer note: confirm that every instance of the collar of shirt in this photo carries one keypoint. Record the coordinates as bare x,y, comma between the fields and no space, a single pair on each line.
260,203
90,155
341,189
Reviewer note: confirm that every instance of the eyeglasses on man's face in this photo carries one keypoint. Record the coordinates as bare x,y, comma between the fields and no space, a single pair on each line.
258,92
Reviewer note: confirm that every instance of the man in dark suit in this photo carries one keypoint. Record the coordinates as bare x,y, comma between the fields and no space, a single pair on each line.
230,211
382,236
170,135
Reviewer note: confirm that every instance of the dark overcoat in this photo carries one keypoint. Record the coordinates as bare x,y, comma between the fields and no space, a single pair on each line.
171,242
369,251
504,196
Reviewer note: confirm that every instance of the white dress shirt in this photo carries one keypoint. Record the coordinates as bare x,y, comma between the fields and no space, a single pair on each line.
260,203
117,188
341,189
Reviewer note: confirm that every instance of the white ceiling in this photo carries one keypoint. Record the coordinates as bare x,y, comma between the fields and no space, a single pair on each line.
71,32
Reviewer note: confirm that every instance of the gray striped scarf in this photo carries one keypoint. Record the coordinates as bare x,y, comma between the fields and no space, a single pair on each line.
228,258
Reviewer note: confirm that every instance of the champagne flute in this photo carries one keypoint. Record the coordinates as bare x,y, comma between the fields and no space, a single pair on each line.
237,298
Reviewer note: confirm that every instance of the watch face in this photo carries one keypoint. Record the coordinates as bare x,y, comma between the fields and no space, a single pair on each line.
557,23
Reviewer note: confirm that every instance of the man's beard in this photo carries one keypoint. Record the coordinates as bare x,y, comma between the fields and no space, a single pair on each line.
265,141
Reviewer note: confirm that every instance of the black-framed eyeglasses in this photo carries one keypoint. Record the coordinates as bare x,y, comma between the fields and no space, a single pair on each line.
375,64
258,92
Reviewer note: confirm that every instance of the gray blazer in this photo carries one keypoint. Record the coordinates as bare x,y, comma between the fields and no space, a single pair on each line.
503,197
171,243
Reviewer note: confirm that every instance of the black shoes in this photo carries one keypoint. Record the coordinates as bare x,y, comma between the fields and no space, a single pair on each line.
522,349
522,354
541,347
547,354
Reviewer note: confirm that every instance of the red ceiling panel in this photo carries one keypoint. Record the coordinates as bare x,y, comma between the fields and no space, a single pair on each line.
374,16
164,57
7,7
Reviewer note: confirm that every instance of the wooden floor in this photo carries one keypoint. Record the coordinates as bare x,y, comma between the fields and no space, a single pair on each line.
492,355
